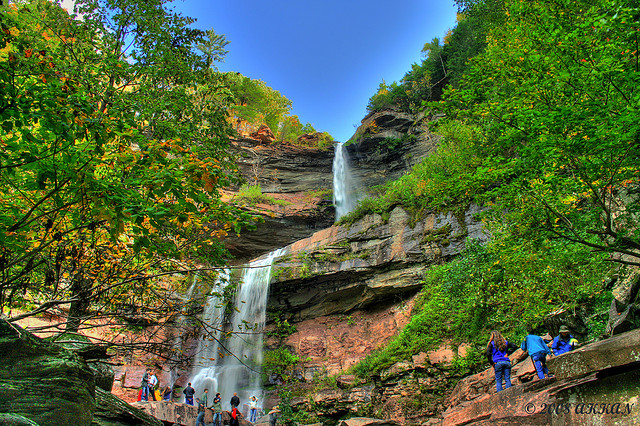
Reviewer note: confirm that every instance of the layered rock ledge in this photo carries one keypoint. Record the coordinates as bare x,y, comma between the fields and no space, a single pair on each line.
343,268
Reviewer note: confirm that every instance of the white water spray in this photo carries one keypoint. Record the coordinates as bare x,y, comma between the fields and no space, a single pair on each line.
345,195
233,363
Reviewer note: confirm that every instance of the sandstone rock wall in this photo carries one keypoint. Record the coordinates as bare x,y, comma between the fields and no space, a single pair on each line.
343,268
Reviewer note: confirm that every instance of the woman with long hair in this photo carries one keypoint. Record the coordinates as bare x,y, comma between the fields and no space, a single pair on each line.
497,355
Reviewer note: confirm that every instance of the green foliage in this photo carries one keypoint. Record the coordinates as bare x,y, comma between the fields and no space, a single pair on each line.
252,195
280,361
282,329
555,95
115,141
501,285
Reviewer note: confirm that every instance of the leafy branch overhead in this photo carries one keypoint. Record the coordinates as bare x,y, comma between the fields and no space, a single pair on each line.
114,137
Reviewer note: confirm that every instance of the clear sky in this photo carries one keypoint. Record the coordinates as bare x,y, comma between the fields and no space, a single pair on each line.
327,56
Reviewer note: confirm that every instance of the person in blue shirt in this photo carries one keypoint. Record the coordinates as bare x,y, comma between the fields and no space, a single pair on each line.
497,356
538,350
564,342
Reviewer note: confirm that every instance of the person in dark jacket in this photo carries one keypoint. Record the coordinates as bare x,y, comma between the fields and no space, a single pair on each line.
235,401
497,349
188,394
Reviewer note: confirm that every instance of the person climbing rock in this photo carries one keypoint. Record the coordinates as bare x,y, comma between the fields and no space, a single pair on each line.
497,349
563,342
538,351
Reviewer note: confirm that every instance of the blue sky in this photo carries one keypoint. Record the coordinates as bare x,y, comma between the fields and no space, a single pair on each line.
328,57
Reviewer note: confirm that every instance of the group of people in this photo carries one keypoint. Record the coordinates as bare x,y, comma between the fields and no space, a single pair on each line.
150,388
216,406
538,349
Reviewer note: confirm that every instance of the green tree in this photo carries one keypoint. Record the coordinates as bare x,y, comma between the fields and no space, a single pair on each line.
114,138
555,92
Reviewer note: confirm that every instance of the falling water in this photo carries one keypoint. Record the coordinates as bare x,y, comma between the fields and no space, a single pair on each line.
239,367
345,195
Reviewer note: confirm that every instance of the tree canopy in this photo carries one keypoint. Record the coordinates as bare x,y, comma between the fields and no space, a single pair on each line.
114,137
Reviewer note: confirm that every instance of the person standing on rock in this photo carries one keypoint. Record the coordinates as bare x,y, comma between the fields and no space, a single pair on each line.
188,394
253,409
217,410
497,355
166,394
563,342
145,386
538,350
153,382
235,401
202,404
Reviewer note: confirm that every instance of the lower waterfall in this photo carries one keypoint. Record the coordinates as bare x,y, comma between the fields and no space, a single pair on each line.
231,360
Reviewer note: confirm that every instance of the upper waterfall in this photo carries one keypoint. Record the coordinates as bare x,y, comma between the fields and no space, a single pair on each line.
345,189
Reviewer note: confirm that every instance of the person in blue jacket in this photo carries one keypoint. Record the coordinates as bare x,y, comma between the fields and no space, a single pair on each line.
497,356
563,342
538,350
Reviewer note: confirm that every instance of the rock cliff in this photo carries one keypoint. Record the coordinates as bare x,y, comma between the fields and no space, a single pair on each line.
343,268
298,180
387,144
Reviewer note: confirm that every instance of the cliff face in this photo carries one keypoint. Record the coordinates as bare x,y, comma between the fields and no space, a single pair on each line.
387,144
373,261
298,180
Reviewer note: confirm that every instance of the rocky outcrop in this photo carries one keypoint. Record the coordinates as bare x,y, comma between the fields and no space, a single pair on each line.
387,144
343,268
43,382
298,179
595,384
624,312
264,134
364,421
112,411
170,412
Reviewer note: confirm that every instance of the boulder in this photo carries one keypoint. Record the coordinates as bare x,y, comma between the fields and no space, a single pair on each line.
8,419
264,134
112,411
364,421
624,313
42,381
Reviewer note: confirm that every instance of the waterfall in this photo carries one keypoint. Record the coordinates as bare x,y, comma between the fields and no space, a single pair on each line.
345,196
232,362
